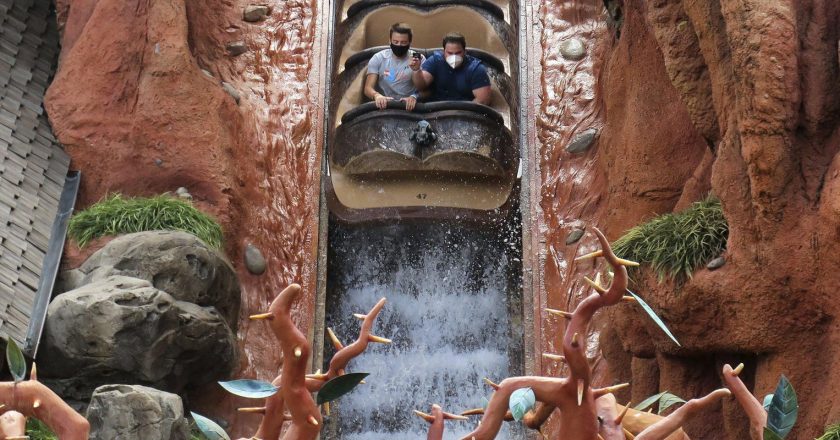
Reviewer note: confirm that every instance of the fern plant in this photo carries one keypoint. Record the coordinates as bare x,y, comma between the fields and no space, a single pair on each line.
118,215
831,433
677,244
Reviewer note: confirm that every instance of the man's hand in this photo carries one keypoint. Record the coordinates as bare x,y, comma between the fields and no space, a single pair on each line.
410,102
381,101
414,64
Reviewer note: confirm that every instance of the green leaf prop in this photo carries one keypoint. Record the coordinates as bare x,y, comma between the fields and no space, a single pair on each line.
783,410
770,435
645,404
668,400
653,316
767,399
339,386
209,428
521,401
252,389
14,357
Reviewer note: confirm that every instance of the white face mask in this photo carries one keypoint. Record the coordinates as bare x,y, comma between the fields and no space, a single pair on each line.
454,60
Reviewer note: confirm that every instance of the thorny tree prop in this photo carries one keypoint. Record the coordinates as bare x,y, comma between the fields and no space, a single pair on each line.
32,399
295,386
585,413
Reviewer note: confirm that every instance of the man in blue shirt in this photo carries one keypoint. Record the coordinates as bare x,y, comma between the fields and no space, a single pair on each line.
452,75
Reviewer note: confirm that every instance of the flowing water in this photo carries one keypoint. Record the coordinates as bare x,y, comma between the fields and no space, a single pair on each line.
452,295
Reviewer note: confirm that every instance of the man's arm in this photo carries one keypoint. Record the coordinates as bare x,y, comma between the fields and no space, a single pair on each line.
370,82
380,99
482,95
422,79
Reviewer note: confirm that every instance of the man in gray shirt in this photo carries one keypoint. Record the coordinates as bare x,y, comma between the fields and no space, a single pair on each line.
389,71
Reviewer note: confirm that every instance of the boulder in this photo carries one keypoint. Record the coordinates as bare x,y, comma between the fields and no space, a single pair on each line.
254,260
124,330
134,412
176,262
253,13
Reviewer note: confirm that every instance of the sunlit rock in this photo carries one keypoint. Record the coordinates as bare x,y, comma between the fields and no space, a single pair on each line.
124,330
134,412
176,262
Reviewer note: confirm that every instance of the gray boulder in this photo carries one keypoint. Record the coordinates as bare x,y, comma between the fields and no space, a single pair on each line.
176,262
124,330
134,412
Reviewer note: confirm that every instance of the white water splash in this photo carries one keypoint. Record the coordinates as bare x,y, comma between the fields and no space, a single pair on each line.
447,314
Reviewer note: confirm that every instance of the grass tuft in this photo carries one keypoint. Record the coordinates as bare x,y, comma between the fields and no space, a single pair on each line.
37,430
118,215
676,244
831,433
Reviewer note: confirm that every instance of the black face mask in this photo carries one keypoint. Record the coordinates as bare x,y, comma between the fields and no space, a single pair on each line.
399,51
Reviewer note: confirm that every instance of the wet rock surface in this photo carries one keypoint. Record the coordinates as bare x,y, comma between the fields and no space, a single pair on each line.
134,412
124,330
581,142
175,262
231,91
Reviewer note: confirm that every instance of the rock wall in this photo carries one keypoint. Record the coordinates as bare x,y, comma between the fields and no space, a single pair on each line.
738,98
153,95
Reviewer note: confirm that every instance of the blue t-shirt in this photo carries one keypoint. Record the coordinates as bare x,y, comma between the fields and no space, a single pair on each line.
455,84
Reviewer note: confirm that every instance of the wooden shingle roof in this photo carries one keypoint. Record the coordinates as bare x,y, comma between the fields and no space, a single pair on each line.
33,166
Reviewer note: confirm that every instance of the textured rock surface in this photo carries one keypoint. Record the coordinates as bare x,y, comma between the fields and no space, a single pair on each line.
149,120
175,262
134,412
735,97
124,330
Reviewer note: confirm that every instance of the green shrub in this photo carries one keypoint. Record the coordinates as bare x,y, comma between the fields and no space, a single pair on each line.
676,244
117,215
831,433
37,430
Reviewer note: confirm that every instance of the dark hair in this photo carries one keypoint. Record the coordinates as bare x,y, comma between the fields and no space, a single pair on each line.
455,37
401,28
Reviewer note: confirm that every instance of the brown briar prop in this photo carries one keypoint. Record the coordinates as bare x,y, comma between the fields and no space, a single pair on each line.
31,398
295,386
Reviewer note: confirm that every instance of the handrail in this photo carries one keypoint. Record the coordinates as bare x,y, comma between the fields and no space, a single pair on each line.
425,107
485,57
490,7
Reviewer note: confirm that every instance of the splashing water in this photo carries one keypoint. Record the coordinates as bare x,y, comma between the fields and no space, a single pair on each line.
448,316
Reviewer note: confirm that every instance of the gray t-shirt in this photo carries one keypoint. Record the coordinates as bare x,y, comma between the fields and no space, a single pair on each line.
394,74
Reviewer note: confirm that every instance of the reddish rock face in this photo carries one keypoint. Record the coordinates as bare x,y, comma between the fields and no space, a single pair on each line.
736,97
739,97
139,105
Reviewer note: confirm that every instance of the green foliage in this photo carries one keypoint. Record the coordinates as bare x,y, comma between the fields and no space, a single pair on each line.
117,215
665,399
252,389
783,409
654,317
831,433
521,401
209,428
15,360
37,430
339,386
676,244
